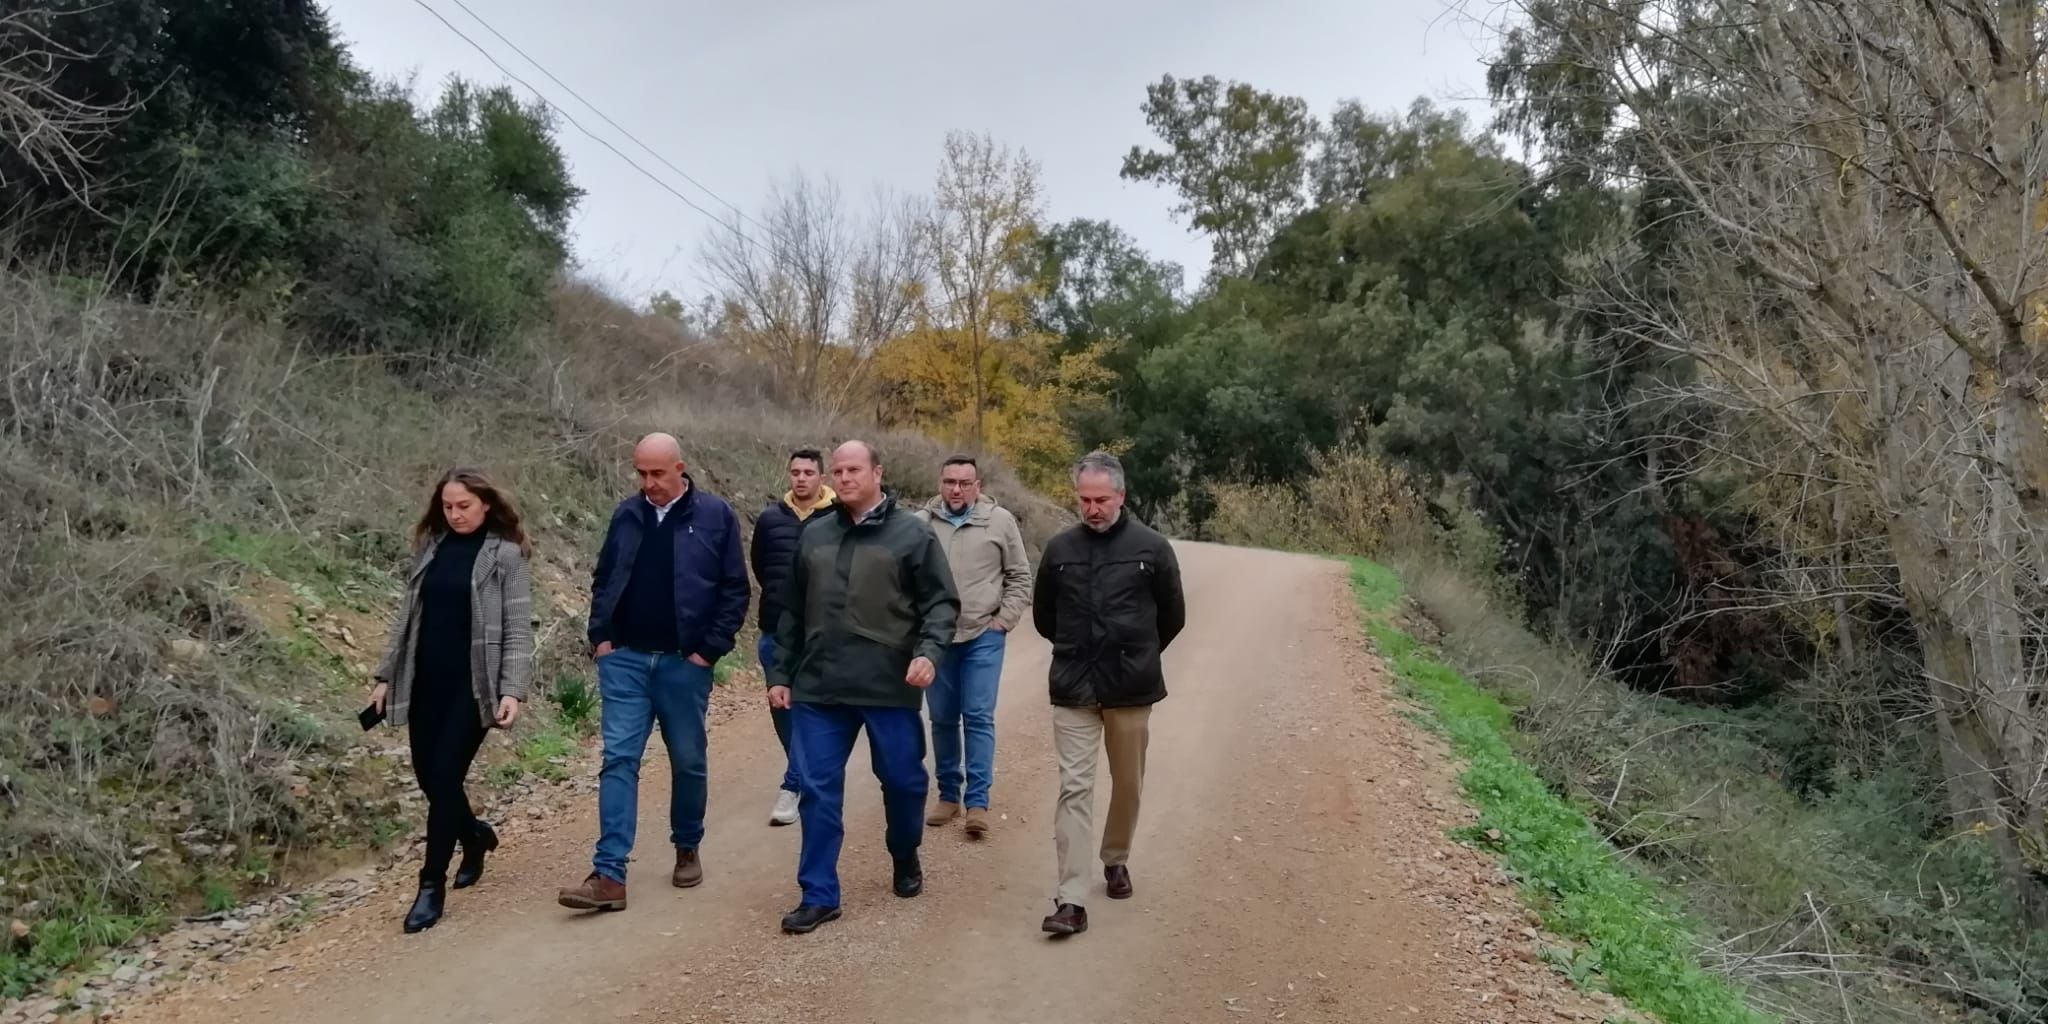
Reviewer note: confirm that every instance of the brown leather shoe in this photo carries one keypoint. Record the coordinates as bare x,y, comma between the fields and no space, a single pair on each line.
942,814
1119,879
1068,919
977,822
689,870
596,893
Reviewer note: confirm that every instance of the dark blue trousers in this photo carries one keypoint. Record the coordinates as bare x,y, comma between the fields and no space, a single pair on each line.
821,741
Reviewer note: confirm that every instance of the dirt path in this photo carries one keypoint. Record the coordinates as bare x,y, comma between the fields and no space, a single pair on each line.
1291,865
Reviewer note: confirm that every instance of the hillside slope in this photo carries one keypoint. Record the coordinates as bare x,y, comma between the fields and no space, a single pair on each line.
198,552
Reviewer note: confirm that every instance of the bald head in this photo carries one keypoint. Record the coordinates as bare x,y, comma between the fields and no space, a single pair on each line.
857,475
658,460
659,446
858,449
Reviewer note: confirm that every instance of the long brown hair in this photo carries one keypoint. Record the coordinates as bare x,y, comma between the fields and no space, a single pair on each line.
502,519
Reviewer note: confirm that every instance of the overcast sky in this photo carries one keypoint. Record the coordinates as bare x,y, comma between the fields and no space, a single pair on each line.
737,93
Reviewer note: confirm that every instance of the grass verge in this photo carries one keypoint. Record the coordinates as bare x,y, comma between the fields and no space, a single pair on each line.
1640,948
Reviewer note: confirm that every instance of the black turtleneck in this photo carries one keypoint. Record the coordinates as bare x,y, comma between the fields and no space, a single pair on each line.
444,609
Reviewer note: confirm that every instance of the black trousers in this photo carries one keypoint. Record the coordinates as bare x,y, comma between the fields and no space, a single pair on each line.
446,733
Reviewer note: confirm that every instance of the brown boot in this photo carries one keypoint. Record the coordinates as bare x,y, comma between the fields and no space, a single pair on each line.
1119,879
1067,919
977,822
942,814
596,893
689,870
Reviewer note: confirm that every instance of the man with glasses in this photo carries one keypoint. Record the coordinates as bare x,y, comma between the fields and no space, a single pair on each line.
992,573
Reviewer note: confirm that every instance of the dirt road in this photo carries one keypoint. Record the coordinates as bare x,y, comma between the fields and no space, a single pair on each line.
1291,865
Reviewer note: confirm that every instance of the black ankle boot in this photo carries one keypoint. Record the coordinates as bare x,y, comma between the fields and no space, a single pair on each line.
909,876
426,907
480,840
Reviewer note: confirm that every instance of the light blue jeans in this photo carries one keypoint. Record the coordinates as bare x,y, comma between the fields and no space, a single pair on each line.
963,700
642,690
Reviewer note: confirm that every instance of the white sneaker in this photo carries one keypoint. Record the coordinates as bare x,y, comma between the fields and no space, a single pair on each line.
785,809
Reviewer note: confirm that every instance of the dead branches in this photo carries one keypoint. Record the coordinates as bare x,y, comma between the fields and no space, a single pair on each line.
48,134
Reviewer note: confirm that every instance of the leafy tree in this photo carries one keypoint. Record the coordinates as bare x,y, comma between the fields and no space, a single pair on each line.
439,231
665,304
254,158
1097,285
1236,155
1099,294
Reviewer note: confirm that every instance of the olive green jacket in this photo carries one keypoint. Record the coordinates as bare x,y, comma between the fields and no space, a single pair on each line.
862,600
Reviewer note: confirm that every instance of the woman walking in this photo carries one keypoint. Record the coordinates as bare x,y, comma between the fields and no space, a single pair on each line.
458,662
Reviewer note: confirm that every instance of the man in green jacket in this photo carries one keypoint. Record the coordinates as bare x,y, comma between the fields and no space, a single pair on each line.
868,613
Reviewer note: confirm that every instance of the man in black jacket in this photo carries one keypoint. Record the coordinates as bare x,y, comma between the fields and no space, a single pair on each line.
868,614
773,549
1108,596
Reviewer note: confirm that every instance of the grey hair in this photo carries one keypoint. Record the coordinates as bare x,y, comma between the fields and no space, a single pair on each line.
1104,463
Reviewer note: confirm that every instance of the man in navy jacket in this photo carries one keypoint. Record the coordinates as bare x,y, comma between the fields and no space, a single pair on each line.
668,596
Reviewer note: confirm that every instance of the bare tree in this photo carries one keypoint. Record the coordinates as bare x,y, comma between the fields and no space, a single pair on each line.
44,133
814,294
1863,282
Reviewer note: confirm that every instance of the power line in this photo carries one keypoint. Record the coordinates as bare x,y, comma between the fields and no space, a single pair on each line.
600,140
607,118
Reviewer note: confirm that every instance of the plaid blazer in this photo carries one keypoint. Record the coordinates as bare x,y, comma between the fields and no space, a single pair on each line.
500,633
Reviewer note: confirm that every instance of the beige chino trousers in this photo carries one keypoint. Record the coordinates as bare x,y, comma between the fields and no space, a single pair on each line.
1078,735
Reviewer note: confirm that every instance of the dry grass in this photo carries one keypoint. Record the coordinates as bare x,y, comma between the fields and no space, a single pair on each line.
1355,504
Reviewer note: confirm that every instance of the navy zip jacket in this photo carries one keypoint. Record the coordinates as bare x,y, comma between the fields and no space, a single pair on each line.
710,571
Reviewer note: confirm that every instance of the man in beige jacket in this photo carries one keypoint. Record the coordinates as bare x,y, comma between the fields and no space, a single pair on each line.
992,572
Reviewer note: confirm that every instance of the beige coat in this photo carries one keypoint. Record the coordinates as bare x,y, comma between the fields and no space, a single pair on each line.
991,569
501,631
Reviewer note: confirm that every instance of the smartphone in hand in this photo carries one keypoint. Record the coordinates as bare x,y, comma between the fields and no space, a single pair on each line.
370,716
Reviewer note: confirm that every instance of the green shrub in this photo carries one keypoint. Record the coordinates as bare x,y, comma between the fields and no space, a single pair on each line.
576,704
1639,946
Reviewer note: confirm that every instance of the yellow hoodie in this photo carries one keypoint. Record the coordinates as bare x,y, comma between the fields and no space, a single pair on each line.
803,512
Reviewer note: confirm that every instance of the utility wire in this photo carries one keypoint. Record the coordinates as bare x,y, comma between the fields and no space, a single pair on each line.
607,118
600,140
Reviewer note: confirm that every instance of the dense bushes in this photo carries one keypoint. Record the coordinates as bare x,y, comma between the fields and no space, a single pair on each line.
253,157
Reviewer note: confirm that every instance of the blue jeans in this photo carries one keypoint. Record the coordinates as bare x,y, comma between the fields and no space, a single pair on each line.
765,653
641,690
821,739
965,692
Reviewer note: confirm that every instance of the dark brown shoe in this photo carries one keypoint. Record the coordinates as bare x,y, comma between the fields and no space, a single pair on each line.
689,870
596,893
1119,879
1068,919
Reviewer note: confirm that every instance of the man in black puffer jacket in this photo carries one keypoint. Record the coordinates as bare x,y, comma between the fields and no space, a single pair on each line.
776,532
1108,596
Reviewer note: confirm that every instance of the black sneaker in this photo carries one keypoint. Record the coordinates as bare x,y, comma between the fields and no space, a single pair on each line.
806,918
909,876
